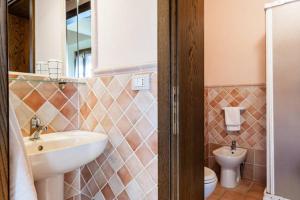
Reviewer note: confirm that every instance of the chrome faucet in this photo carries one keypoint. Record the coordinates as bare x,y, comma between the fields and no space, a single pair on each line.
37,127
233,145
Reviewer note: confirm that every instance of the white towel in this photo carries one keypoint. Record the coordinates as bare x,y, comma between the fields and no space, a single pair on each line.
233,118
21,185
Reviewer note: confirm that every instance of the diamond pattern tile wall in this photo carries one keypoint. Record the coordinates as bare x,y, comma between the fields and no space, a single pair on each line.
129,118
47,101
128,167
253,129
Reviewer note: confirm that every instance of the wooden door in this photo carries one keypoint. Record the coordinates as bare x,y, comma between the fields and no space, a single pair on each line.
190,64
3,105
181,99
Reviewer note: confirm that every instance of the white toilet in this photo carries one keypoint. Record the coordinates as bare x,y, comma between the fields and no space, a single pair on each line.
210,182
230,161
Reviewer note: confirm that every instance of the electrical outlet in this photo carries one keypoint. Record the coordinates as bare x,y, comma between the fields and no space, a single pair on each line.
140,82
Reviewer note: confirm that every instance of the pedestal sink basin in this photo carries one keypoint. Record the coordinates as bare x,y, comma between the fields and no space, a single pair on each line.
57,153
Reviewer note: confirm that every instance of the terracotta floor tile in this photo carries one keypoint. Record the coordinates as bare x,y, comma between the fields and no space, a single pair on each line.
256,191
214,197
258,187
252,198
246,190
243,186
219,191
232,195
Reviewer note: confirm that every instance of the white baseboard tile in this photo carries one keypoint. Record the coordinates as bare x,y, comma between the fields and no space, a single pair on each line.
273,197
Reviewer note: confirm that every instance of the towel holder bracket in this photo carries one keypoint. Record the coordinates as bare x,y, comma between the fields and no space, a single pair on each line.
241,108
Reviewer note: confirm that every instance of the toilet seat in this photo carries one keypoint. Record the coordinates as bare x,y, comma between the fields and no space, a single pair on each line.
209,176
210,182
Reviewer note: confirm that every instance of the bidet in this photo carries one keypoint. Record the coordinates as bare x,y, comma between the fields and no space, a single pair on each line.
230,161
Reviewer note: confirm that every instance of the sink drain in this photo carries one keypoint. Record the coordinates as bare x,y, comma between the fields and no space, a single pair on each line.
40,148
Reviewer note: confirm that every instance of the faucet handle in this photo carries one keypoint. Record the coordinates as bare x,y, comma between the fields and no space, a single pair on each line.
45,128
233,143
35,122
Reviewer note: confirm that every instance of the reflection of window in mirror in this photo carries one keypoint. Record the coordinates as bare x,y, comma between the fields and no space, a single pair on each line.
78,45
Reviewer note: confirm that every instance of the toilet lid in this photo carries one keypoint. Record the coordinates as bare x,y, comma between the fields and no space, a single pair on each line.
209,175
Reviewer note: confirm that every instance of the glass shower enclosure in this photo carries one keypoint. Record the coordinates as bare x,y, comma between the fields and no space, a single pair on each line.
283,99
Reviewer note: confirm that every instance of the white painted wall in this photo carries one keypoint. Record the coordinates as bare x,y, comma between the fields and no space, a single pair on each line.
50,30
127,33
234,42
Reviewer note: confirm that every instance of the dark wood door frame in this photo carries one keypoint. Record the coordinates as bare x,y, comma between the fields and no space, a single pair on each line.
181,99
32,36
4,191
164,100
190,59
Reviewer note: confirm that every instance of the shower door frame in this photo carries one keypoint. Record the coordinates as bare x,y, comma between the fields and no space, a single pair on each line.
270,113
4,189
270,189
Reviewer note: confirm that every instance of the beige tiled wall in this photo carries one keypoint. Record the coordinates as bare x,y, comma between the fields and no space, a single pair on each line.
253,130
58,109
128,167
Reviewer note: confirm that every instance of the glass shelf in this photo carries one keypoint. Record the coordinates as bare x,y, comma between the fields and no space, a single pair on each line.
42,79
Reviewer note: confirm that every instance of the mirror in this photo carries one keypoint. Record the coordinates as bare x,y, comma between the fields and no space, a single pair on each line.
50,37
78,25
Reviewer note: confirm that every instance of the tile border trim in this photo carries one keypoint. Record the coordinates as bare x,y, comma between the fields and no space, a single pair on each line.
130,69
237,85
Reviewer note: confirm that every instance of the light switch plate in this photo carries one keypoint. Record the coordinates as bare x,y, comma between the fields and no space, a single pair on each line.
140,82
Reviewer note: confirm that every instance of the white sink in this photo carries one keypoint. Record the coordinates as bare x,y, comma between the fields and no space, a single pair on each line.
57,153
230,161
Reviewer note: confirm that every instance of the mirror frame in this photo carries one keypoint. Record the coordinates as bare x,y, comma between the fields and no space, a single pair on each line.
32,36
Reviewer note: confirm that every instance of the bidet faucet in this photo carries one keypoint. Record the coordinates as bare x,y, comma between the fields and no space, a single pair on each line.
38,128
233,145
